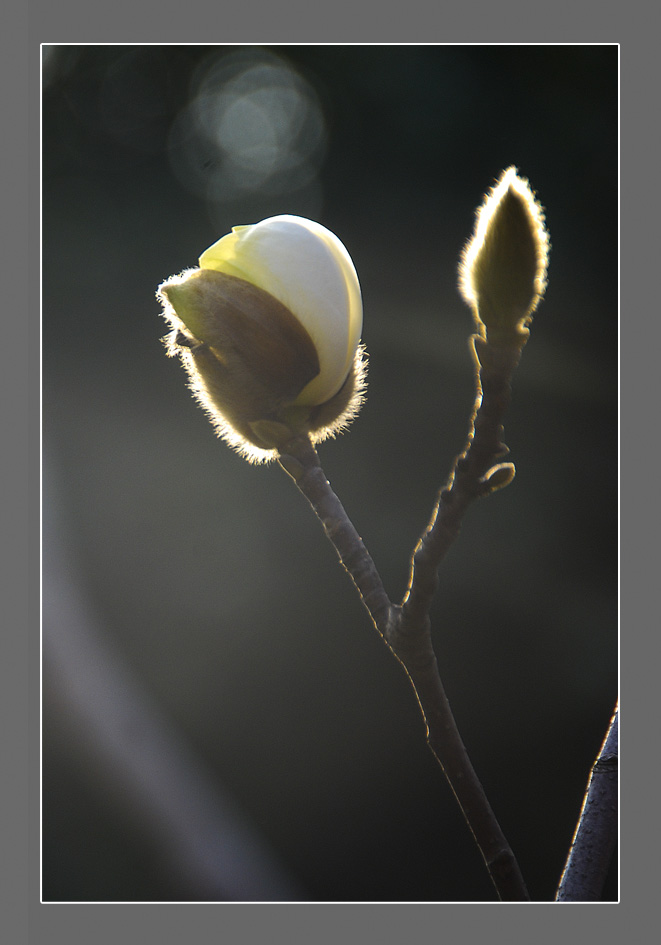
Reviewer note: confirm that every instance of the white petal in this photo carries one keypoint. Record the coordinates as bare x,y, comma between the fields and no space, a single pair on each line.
308,269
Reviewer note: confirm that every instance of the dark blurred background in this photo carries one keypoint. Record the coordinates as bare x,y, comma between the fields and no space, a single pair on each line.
223,661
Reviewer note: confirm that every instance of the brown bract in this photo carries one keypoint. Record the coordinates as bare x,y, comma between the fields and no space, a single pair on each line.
246,354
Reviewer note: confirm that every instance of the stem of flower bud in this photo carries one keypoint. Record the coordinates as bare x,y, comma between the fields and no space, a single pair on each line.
407,633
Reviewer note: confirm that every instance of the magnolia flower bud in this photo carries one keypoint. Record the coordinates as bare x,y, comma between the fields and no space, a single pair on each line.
503,268
268,328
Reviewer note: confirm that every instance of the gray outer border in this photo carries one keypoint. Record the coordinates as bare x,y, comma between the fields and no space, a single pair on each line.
19,523
69,23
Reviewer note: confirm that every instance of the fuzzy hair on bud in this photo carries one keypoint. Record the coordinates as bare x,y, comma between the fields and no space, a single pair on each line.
254,361
502,273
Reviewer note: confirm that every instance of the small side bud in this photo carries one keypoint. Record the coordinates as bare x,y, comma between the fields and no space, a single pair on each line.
503,268
498,477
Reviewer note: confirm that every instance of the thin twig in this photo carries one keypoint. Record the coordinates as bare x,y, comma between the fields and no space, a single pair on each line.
300,459
592,847
469,480
406,628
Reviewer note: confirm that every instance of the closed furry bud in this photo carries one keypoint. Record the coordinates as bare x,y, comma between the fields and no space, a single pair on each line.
503,268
